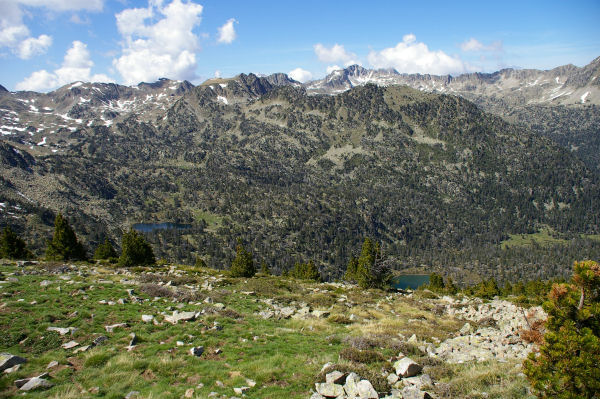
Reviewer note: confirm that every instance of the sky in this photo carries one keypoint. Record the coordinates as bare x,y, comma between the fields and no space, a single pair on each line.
45,44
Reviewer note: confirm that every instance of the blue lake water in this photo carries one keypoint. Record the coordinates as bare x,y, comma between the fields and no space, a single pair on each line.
149,227
410,281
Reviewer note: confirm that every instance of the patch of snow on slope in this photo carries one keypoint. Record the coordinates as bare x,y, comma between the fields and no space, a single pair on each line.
223,85
43,141
584,96
76,84
222,99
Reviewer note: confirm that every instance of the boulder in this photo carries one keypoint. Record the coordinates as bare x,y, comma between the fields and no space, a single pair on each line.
112,327
147,318
7,361
351,385
100,340
70,345
62,330
329,390
36,383
320,313
406,367
177,317
335,377
366,390
412,392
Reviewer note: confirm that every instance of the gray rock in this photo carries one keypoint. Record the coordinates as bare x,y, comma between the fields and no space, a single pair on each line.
266,314
134,340
146,318
7,361
316,395
286,312
418,381
329,390
392,378
240,390
335,377
100,340
351,385
406,367
197,350
366,390
320,313
111,328
70,345
132,395
84,348
36,383
177,317
12,369
412,392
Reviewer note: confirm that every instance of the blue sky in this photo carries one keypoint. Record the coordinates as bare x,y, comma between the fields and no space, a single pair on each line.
48,43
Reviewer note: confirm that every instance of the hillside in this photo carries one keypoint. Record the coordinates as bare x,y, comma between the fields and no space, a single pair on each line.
300,176
85,331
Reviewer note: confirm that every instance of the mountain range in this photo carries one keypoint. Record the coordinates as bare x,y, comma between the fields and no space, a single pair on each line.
424,164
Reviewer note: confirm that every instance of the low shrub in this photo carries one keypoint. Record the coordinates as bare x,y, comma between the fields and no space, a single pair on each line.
365,356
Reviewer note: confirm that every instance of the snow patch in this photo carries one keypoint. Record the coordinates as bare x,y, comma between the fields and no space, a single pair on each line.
223,85
583,97
222,99
43,141
33,108
76,84
557,79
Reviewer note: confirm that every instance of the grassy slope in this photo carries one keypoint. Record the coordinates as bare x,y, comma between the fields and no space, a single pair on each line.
282,356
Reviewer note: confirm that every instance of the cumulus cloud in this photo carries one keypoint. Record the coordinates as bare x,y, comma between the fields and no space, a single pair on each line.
411,56
165,48
76,66
32,46
301,75
475,45
332,68
336,53
227,32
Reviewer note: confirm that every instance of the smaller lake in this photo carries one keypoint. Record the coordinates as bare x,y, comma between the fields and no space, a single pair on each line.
149,227
410,281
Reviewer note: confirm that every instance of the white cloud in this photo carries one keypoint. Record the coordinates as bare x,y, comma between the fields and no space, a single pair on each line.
410,56
217,74
227,32
165,48
475,45
332,68
15,35
76,66
301,75
337,53
32,46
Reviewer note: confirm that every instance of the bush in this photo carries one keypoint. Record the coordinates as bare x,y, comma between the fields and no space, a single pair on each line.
105,251
12,246
567,363
64,244
365,356
135,250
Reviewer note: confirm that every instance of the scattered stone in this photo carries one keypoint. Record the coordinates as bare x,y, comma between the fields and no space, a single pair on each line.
351,385
329,390
12,369
406,367
197,351
100,340
240,390
366,390
392,378
94,390
7,361
219,306
413,392
146,318
132,395
111,328
45,283
251,383
286,312
413,340
130,291
335,377
35,383
70,345
218,351
183,316
466,329
62,330
219,384
133,341
189,393
122,301
266,314
84,348
179,343
321,313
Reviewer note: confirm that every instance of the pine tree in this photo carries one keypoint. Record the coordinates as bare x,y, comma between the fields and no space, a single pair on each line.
12,246
135,250
242,265
566,366
64,244
311,272
436,282
105,251
351,269
264,269
372,271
